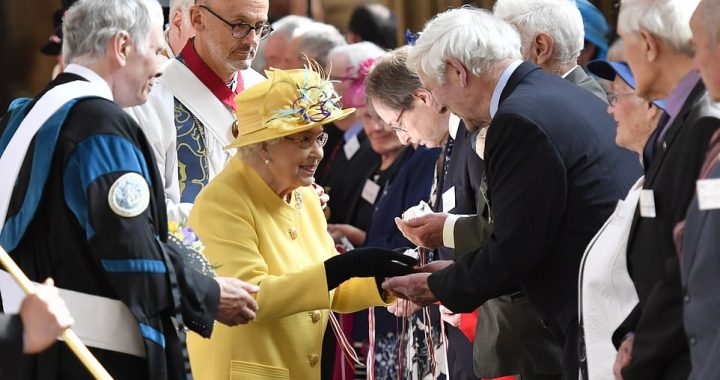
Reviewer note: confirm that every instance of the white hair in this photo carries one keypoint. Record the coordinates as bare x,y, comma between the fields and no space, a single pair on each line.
283,28
471,35
668,20
289,23
248,151
182,5
560,19
89,25
710,13
356,53
317,39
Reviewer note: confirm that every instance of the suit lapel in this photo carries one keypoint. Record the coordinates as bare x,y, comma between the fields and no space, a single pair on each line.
657,161
672,134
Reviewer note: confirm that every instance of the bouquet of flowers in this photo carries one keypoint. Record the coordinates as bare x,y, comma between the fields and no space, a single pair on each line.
186,244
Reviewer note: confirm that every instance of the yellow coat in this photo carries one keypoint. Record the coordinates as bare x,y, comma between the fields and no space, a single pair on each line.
255,236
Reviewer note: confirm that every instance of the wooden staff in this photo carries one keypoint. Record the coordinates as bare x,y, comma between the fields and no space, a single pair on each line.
71,339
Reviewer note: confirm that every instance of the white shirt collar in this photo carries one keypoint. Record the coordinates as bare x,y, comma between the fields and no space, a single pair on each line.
453,125
495,100
569,71
91,77
234,81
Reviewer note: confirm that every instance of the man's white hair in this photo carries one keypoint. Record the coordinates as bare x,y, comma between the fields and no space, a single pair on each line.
560,19
89,25
471,35
317,39
357,53
668,20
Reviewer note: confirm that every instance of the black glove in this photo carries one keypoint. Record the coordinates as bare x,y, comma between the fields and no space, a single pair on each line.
366,262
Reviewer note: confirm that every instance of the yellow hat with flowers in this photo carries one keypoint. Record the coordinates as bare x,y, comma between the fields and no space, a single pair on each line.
287,102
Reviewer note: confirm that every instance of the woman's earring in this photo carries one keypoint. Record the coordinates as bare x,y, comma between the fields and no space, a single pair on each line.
267,161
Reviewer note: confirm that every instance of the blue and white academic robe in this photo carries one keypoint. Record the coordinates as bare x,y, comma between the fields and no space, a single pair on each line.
88,210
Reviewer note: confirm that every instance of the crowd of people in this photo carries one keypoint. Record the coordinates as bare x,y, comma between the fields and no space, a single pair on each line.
506,196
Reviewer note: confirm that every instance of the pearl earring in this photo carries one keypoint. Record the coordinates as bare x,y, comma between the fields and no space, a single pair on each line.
267,161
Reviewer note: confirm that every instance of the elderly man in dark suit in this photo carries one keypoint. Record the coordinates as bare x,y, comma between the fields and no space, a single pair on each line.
87,207
699,253
652,342
553,42
553,174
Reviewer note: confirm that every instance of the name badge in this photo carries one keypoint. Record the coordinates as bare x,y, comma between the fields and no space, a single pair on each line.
370,191
448,199
708,193
351,147
647,203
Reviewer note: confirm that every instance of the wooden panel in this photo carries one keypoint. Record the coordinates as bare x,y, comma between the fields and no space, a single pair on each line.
24,70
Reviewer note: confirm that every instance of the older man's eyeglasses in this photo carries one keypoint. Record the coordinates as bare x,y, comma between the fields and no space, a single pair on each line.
614,98
397,125
306,141
241,29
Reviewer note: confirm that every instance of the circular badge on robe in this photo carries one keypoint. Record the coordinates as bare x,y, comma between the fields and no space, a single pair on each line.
129,196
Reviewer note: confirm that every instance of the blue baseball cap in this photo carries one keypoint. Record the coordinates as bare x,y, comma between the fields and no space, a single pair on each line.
609,69
596,27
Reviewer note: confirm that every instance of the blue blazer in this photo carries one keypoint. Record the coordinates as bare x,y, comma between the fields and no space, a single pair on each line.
410,186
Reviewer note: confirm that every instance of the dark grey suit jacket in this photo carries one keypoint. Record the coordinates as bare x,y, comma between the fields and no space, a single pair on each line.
701,279
580,78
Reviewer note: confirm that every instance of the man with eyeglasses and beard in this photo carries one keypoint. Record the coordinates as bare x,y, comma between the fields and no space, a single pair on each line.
189,118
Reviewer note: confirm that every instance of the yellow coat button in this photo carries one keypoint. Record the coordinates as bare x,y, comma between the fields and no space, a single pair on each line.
293,233
313,359
315,316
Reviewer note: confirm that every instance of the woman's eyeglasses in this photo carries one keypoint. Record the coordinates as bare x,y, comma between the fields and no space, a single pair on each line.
614,98
306,141
397,125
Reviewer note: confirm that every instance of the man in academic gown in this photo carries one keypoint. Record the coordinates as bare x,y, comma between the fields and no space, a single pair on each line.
189,117
87,207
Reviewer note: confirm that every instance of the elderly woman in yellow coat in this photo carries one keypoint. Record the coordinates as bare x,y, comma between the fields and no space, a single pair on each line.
262,222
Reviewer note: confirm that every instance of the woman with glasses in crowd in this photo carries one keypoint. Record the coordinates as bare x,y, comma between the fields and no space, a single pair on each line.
401,179
262,222
607,293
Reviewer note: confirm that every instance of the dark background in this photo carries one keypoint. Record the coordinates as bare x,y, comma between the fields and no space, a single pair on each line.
25,26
